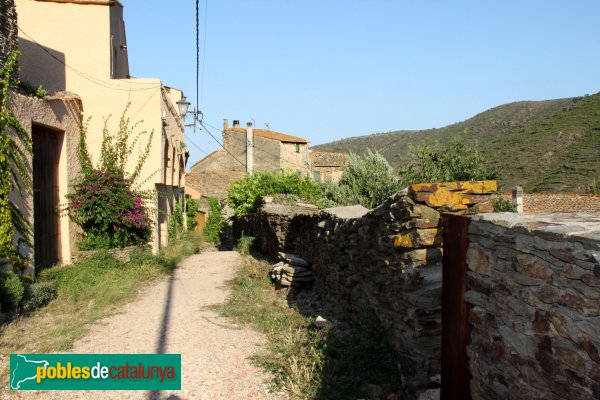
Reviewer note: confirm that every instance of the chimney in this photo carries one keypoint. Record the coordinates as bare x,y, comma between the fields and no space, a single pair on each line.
225,124
249,147
236,123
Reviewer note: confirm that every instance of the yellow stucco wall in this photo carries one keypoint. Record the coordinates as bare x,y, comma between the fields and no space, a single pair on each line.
87,49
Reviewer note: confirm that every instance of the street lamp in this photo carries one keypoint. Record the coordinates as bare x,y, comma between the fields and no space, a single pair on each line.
183,105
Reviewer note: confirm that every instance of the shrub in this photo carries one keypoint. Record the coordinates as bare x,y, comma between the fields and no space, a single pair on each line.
594,188
456,162
503,205
367,180
244,245
216,221
104,201
175,224
190,213
37,295
245,195
11,291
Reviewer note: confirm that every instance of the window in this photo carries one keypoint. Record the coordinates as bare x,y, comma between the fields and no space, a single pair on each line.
318,176
297,147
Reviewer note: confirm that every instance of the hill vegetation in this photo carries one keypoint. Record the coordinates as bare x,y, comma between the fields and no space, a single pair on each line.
544,146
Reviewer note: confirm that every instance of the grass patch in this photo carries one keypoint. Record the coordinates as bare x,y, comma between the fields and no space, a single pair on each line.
87,291
309,363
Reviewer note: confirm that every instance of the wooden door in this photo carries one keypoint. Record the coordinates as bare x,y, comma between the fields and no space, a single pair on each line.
47,144
455,312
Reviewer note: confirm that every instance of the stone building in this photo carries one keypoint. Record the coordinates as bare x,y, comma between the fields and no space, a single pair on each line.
327,165
248,149
79,46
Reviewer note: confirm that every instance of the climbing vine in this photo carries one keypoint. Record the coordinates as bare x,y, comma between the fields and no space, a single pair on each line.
14,169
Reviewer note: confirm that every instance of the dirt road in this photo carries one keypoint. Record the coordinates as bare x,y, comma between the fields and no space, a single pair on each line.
172,317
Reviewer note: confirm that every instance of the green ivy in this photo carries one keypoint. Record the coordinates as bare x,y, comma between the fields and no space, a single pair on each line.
175,224
14,169
216,221
192,206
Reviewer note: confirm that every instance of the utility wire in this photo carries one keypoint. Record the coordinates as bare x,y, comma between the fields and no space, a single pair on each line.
187,138
197,54
220,144
204,52
90,78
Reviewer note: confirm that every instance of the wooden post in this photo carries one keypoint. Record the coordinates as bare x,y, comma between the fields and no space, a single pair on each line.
455,312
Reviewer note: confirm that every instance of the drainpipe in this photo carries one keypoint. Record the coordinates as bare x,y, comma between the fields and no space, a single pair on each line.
249,147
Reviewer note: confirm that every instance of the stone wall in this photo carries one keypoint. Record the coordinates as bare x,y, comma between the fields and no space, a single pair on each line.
558,202
121,254
534,287
389,257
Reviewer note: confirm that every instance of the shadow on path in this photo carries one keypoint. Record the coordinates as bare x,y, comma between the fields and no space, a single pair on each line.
163,332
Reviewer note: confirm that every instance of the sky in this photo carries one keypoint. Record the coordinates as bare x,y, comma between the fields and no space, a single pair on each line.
325,70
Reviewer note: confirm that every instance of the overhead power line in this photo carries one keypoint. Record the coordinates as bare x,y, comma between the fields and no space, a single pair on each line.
97,81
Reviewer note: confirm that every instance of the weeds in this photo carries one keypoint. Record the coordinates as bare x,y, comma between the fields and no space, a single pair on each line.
87,291
308,363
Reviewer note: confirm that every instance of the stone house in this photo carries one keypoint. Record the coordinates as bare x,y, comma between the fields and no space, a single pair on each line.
248,149
79,46
327,165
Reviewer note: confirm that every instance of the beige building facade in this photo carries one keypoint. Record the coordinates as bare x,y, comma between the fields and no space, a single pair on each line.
53,124
80,46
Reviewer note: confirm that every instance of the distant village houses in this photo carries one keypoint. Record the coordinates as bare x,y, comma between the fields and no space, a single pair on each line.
247,149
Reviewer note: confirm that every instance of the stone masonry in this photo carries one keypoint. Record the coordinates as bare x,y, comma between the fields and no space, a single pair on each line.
389,257
534,287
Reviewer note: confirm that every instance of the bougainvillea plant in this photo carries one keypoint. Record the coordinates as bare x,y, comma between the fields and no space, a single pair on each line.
105,201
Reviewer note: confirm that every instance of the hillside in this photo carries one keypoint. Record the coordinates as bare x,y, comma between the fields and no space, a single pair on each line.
545,146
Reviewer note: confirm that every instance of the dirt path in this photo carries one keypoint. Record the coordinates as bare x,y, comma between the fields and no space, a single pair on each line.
172,317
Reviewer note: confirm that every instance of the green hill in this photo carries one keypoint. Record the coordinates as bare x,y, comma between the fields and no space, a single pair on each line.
544,146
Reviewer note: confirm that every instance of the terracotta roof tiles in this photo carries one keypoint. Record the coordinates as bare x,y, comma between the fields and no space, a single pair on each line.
282,137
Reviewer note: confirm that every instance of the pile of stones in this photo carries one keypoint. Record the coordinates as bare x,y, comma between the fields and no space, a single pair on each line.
292,271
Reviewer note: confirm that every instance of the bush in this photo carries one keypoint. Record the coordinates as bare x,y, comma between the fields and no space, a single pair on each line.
367,180
503,205
244,245
594,188
11,291
37,295
190,213
244,196
456,162
175,224
216,221
104,201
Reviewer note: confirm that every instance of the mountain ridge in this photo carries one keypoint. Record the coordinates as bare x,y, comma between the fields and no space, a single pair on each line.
544,146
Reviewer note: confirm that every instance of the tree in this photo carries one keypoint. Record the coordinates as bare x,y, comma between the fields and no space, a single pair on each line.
456,162
368,179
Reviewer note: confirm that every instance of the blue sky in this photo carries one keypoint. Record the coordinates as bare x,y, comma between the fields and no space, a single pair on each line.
330,69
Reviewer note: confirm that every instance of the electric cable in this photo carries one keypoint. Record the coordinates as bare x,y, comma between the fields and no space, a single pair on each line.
90,78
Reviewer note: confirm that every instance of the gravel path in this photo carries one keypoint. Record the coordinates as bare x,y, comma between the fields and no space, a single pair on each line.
172,317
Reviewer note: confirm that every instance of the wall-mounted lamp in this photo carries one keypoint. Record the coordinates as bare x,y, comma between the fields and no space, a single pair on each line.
183,105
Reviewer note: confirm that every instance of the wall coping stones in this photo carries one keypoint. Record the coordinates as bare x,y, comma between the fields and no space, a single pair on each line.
574,226
348,212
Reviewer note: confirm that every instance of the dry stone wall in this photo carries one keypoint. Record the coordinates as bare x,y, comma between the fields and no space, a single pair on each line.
534,287
389,257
